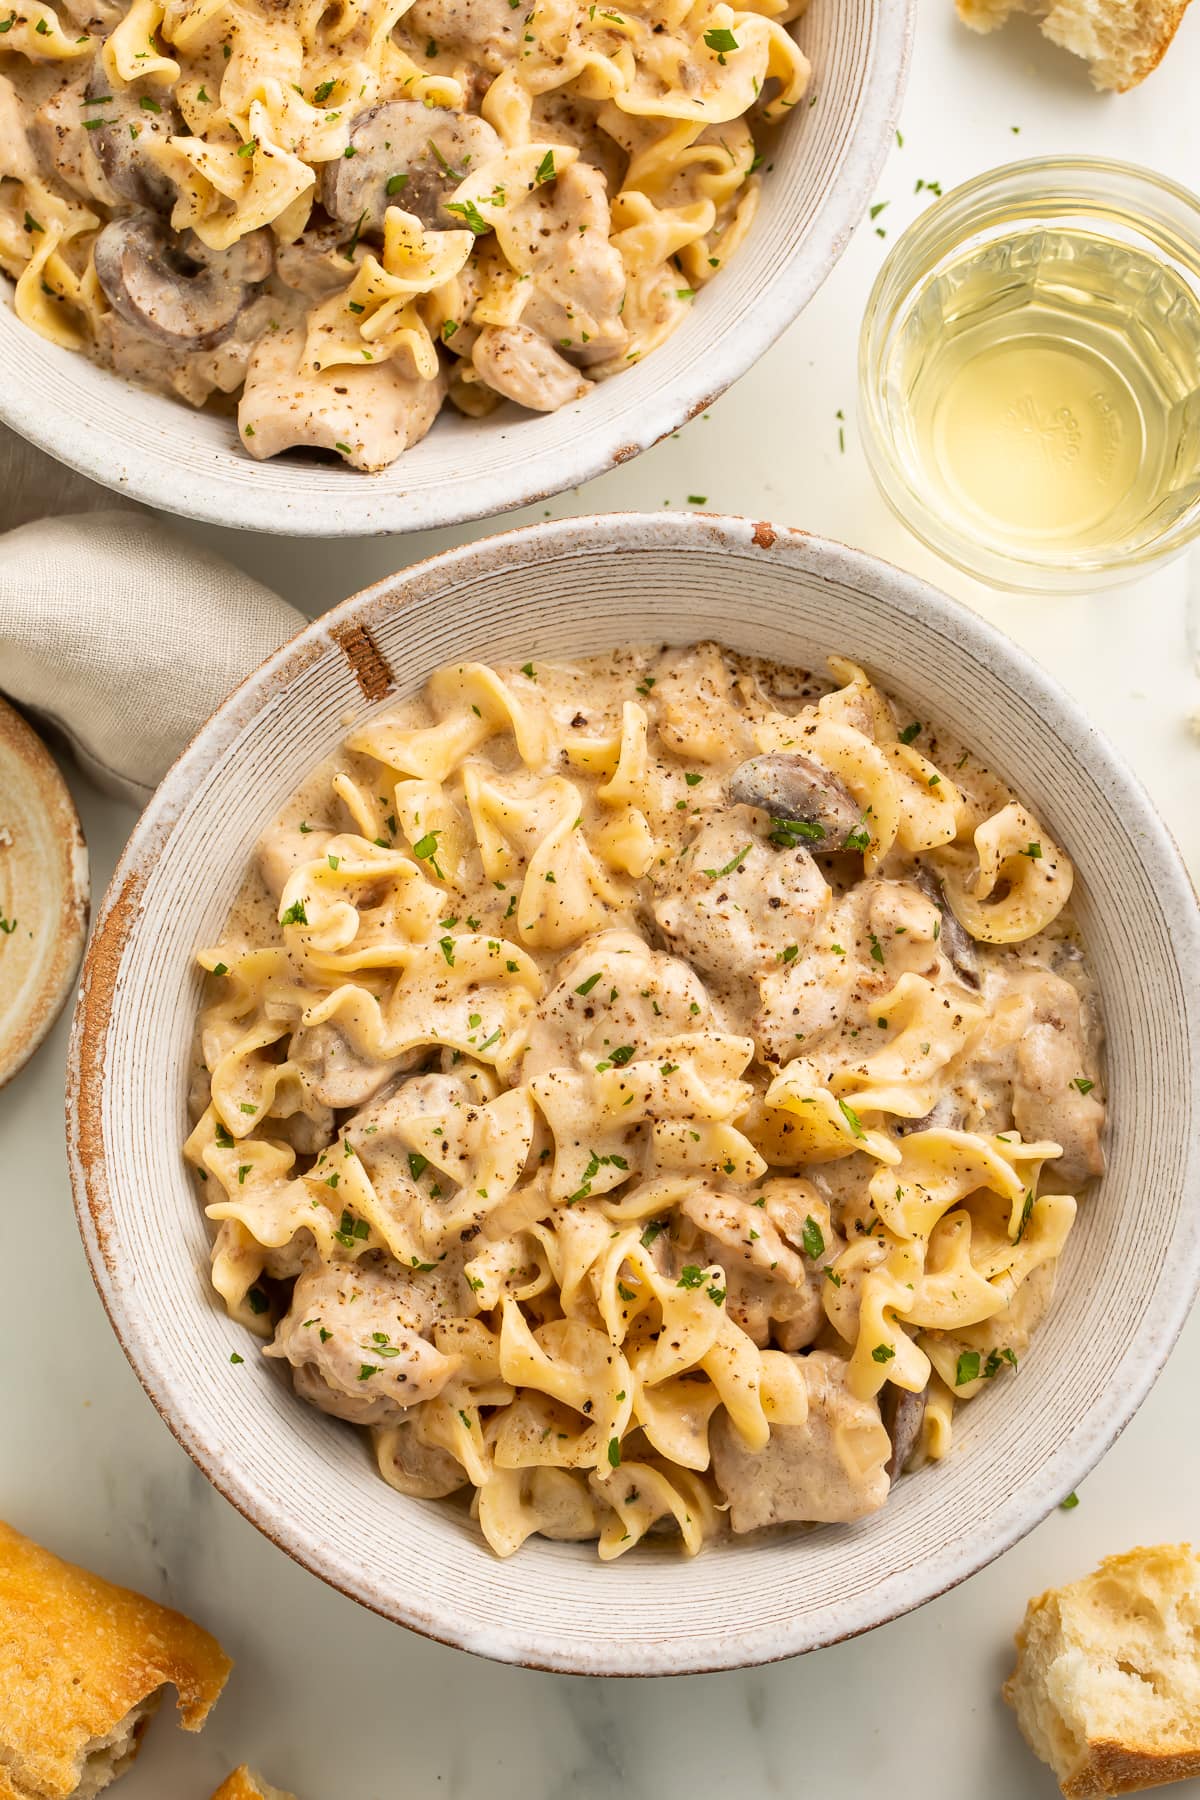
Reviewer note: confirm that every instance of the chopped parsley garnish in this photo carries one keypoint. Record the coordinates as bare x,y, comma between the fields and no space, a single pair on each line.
690,776
858,840
366,1370
790,954
967,1368
425,849
447,949
224,1138
148,104
690,1276
1083,1084
528,669
614,1453
235,1358
1069,1504
813,1238
852,1119
545,169
258,1300
1033,852
471,215
787,833
585,987
876,948
720,40
417,1164
910,732
716,874
1026,1214
322,92
295,914
882,1353
654,1229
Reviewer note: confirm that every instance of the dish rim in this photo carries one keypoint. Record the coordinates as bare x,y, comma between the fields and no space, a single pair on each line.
363,508
117,919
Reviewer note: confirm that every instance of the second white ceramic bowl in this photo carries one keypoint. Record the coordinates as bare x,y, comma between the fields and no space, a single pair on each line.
825,161
1132,1263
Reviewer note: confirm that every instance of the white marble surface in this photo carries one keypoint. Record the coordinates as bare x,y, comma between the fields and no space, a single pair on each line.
336,1703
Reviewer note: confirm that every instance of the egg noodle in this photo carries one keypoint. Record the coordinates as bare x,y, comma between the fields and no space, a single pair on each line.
648,1092
349,209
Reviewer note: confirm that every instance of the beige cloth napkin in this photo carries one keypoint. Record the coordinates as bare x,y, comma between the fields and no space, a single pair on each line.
114,630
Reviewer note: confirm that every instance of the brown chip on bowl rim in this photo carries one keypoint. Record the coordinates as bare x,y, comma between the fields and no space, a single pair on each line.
83,1666
43,892
243,1784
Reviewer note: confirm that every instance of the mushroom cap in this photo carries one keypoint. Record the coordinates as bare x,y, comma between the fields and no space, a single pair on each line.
175,289
793,787
120,131
423,153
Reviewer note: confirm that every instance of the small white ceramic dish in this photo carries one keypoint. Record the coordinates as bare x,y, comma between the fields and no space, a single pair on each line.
43,892
825,163
584,585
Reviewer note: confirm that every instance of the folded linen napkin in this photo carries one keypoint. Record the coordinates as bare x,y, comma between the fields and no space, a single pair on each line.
114,630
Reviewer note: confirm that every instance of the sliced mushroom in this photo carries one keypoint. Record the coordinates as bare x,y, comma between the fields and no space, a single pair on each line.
522,366
955,939
174,289
408,155
797,790
121,126
902,1414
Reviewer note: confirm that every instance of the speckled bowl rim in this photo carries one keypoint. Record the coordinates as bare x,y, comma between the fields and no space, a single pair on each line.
356,505
923,606
72,885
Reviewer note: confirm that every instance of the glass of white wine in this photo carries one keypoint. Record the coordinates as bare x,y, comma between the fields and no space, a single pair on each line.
1029,374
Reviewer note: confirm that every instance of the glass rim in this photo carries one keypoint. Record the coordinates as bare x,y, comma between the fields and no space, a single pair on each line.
907,266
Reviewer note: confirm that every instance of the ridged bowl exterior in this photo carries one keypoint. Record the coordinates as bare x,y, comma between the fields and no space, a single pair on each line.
1132,1264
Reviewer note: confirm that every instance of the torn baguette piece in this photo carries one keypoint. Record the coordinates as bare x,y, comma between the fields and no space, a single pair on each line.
243,1784
1107,1683
1122,41
83,1665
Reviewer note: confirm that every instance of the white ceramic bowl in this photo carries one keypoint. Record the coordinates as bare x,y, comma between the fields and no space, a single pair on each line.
1132,1264
826,160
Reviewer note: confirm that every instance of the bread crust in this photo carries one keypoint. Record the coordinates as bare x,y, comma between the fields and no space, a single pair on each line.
1113,1768
77,1656
243,1785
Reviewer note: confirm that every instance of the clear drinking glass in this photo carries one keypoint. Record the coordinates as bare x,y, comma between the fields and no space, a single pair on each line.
1029,374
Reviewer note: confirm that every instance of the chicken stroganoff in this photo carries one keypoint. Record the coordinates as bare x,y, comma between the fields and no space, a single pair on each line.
649,1093
352,210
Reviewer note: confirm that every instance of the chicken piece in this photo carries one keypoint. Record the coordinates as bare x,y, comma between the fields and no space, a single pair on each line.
735,906
805,998
280,851
518,362
488,32
193,375
360,1330
335,1073
423,1471
698,717
774,1291
1051,1065
578,277
642,994
562,117
369,415
830,1470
